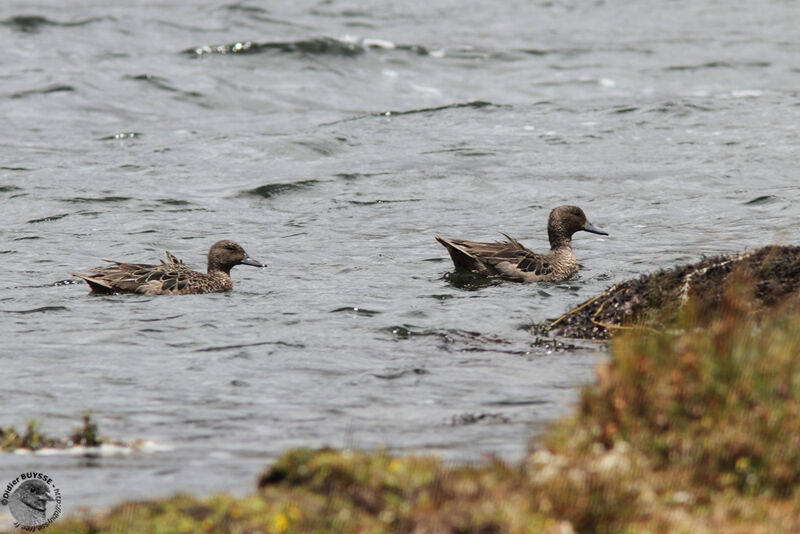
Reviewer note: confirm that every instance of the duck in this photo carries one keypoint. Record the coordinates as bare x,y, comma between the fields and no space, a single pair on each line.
512,261
171,277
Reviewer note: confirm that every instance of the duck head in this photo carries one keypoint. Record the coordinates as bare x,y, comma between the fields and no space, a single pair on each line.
565,221
225,255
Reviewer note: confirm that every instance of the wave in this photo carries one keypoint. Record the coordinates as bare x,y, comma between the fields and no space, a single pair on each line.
44,91
51,218
98,199
474,104
348,46
43,309
271,190
679,108
163,84
33,23
455,340
721,65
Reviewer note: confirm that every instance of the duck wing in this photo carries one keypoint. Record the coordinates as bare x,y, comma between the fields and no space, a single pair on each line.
145,279
506,258
522,265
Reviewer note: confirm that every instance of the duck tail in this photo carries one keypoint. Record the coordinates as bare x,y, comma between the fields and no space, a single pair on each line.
171,259
461,258
95,284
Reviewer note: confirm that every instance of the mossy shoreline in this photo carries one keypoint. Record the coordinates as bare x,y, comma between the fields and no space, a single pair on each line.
695,428
657,300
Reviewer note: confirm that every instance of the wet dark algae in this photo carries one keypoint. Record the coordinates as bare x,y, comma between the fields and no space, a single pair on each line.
651,301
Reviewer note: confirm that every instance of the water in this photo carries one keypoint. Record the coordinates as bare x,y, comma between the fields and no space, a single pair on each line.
333,147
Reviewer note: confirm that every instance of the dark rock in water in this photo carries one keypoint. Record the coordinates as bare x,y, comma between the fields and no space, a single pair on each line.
654,300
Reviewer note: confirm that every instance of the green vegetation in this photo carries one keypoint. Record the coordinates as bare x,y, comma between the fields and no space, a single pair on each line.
87,434
693,429
32,439
721,404
11,440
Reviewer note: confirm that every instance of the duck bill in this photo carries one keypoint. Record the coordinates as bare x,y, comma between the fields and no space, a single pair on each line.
589,227
247,260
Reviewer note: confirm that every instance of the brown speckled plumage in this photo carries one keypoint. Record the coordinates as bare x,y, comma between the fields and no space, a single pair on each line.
172,277
509,259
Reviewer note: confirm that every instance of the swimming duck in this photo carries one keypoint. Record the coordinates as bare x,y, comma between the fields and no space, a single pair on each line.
171,277
510,260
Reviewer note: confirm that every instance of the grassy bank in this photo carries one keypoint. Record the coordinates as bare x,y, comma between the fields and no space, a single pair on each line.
696,429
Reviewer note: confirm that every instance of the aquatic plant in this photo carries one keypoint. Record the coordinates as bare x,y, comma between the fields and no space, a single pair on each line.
32,439
87,435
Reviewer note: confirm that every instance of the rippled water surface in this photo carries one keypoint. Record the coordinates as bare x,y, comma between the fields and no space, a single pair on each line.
333,140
